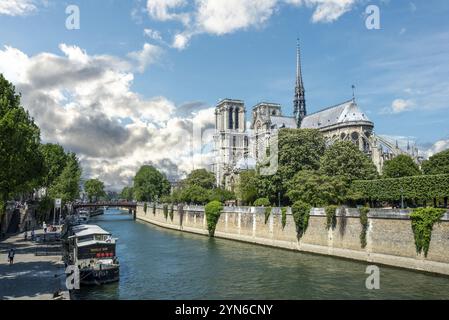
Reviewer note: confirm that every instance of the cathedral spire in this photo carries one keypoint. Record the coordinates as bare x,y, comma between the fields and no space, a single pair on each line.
299,103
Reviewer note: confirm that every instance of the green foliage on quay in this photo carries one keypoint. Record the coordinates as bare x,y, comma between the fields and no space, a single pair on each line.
417,187
423,220
365,224
267,213
165,208
213,211
262,202
284,217
331,217
172,209
145,207
301,214
154,208
150,184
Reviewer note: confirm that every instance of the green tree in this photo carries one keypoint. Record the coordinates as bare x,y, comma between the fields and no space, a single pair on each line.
247,187
194,194
94,189
221,195
150,184
299,149
344,159
127,193
400,166
21,165
437,164
201,178
316,189
66,185
54,161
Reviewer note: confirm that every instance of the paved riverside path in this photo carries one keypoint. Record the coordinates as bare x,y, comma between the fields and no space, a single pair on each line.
31,277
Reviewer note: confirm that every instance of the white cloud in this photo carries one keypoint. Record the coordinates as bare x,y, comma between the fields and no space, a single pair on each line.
17,7
399,106
147,56
85,103
224,17
152,34
437,147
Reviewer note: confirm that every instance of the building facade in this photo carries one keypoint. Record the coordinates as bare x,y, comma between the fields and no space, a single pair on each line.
237,148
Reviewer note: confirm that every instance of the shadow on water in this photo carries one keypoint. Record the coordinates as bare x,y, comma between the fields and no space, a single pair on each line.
158,263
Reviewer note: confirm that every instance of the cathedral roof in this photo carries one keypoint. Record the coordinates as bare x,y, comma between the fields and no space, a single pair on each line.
339,114
283,122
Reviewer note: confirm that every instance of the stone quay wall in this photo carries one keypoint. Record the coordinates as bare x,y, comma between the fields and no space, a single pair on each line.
390,238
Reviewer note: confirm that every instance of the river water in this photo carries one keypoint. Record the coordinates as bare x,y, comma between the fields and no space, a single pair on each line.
157,263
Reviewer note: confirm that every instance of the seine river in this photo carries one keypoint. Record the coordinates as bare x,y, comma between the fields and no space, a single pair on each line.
163,264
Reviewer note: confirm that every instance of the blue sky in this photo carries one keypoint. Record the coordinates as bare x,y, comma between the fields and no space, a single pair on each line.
401,72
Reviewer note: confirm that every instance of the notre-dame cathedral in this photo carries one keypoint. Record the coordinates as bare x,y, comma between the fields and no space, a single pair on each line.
240,148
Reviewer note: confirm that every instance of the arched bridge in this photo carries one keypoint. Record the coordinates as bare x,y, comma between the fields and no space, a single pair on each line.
120,204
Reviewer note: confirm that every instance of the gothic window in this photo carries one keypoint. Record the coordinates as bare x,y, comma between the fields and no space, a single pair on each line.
237,118
234,141
246,142
230,113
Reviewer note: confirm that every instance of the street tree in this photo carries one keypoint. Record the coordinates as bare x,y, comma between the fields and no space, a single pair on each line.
400,166
66,185
150,184
344,159
20,160
437,164
55,160
94,189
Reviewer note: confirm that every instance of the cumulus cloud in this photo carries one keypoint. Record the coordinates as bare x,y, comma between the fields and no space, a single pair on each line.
399,106
17,7
85,103
224,17
437,147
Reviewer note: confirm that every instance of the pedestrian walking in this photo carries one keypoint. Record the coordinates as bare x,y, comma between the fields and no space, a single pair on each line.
32,235
26,235
11,256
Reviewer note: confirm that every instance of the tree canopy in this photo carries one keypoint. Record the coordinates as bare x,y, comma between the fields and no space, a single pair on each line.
344,159
94,189
247,187
201,178
127,194
55,159
66,185
20,160
437,164
150,184
400,166
316,189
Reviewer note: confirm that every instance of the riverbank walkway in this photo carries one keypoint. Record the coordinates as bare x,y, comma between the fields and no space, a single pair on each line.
37,272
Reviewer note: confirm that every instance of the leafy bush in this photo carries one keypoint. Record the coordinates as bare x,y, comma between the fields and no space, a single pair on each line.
267,213
171,212
331,217
423,220
165,211
145,206
213,211
365,223
262,202
301,214
284,217
154,208
417,187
